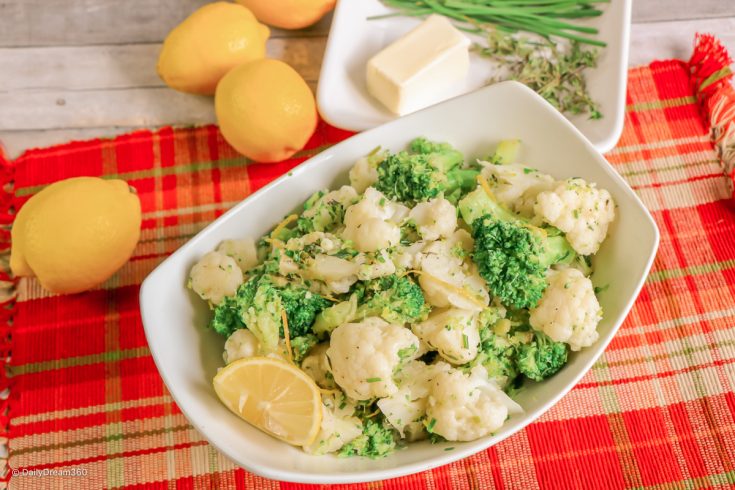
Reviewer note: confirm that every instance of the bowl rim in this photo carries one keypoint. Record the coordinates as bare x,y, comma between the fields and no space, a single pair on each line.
298,476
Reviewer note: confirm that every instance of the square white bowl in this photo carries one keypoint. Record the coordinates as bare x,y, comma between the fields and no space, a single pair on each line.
188,354
353,39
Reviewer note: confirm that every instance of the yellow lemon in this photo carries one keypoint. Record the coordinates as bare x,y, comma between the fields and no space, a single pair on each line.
289,14
265,110
207,44
75,233
274,396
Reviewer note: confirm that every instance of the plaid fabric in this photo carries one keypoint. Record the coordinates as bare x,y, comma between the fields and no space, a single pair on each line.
657,411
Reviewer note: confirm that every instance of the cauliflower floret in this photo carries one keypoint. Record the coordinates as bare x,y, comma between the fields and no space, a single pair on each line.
408,256
568,311
453,332
379,266
316,365
517,186
239,345
336,273
327,210
335,431
368,223
448,279
580,210
215,276
434,219
365,355
363,174
243,251
465,407
405,409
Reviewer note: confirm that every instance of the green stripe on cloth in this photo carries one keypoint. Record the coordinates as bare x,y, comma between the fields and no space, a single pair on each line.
661,104
68,362
694,270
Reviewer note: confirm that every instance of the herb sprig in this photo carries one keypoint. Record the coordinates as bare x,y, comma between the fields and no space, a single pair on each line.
553,71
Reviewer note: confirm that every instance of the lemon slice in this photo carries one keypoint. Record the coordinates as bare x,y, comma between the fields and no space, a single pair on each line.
274,396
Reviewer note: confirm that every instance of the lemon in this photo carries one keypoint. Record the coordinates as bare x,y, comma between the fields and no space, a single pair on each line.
289,14
75,233
265,110
207,44
274,396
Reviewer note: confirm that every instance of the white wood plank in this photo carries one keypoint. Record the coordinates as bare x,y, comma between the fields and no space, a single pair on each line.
123,66
665,40
16,142
666,10
85,22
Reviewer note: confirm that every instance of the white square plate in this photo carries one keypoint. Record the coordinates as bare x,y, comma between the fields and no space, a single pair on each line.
188,354
342,94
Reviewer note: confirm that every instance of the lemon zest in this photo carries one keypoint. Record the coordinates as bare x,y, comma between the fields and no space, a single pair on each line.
283,224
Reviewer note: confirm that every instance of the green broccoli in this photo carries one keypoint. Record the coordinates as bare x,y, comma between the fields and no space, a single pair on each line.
376,441
541,358
397,299
300,346
512,255
426,171
497,355
257,306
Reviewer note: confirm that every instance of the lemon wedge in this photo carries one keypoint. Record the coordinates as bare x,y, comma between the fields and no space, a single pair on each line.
274,396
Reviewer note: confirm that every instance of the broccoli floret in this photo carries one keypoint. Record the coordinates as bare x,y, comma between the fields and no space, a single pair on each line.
376,441
226,317
427,171
258,305
320,214
541,358
512,255
301,307
497,355
397,299
300,346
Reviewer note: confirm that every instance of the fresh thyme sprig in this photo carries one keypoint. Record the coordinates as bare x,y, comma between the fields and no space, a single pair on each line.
553,71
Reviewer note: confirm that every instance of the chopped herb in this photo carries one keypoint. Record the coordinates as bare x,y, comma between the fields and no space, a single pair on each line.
407,351
374,380
448,448
527,171
601,289
430,426
465,341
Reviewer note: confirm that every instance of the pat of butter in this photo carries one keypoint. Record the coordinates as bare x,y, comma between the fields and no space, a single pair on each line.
415,71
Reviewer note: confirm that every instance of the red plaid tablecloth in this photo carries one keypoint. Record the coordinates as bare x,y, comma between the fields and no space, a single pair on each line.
657,411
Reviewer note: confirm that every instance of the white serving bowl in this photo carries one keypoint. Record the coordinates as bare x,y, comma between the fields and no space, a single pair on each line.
188,354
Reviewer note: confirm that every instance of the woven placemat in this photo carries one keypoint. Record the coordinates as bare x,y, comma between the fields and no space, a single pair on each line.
657,410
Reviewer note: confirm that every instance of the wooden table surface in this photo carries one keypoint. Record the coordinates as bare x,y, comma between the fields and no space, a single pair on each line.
76,69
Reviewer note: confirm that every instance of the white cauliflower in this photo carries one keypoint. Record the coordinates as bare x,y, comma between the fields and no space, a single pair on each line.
215,276
335,431
316,365
323,214
465,407
369,225
365,355
336,273
243,251
363,174
517,186
378,265
453,332
568,310
408,256
434,219
449,279
580,210
239,345
406,408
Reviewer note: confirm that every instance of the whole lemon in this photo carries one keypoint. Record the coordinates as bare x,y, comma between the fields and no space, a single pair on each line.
207,44
265,110
289,14
74,234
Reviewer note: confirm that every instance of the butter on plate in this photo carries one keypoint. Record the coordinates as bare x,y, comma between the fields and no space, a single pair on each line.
416,70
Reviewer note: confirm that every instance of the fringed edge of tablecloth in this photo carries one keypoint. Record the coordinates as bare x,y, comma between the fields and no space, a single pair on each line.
711,77
7,306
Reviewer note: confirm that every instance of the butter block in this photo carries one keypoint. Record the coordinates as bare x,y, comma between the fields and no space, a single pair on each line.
416,70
